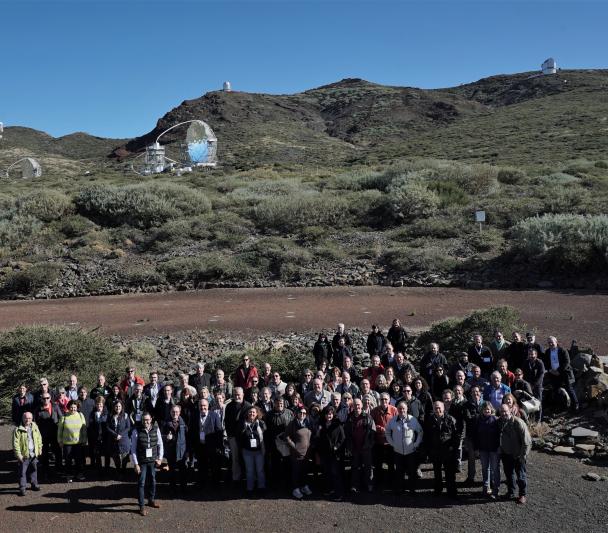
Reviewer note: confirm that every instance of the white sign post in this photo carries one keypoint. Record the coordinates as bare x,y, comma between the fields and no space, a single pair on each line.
480,216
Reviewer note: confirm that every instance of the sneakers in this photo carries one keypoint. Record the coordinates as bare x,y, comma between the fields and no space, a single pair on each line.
142,511
354,490
297,494
154,505
521,500
21,492
306,490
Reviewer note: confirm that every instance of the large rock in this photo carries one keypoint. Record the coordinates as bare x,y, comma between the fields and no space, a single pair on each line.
564,450
584,433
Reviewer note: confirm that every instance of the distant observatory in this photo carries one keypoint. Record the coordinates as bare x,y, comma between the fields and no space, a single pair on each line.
30,168
1,129
549,67
227,87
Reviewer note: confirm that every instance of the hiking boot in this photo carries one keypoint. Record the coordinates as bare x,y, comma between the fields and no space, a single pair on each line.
154,504
306,490
297,494
521,500
35,488
142,511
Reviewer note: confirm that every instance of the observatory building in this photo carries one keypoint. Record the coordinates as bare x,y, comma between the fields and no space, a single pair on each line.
30,168
549,67
227,87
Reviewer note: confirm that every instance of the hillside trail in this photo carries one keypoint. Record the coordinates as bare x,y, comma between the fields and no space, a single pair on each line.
566,314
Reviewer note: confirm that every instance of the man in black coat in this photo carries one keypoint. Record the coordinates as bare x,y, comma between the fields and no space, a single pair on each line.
481,355
200,378
376,341
234,414
559,370
442,439
341,334
322,351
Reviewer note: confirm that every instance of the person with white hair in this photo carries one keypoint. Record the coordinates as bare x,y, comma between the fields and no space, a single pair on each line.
496,390
340,334
559,370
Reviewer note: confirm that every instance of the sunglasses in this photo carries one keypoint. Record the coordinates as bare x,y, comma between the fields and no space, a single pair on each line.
46,397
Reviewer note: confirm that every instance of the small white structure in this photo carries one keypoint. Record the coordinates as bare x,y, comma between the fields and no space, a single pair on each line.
1,129
227,87
30,168
154,159
549,67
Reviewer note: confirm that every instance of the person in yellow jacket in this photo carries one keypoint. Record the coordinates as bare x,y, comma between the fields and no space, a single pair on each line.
72,437
27,445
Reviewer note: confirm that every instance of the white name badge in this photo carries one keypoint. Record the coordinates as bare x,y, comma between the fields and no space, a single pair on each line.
138,417
148,453
202,436
487,359
253,443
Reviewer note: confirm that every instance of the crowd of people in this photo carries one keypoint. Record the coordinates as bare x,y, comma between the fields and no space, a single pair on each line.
350,429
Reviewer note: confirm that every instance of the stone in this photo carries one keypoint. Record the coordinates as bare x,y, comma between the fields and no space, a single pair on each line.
564,450
584,433
585,447
592,476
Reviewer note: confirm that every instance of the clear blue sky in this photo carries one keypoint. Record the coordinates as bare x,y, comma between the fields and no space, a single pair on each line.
112,68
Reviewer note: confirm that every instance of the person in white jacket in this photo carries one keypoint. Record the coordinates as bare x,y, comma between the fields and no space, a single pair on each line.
404,434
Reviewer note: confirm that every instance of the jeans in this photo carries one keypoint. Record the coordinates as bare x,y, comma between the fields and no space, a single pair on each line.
237,474
254,468
148,471
405,464
361,461
28,466
490,470
514,467
72,457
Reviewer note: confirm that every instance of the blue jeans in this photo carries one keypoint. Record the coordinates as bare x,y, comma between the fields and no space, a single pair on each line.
254,468
147,471
515,467
28,466
490,470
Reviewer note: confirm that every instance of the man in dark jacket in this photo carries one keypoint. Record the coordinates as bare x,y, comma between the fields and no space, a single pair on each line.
360,432
136,405
376,341
322,351
430,360
47,417
206,437
516,353
442,440
471,412
481,355
162,410
341,334
340,353
276,423
22,401
397,336
200,378
175,442
559,370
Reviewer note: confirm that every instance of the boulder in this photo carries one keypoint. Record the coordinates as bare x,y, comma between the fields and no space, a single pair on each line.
584,433
585,447
564,450
592,476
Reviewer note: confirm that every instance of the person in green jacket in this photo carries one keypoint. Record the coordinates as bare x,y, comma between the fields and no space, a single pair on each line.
27,445
72,437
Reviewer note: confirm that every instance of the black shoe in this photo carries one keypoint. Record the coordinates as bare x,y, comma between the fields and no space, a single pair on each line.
21,492
35,488
337,499
468,482
509,496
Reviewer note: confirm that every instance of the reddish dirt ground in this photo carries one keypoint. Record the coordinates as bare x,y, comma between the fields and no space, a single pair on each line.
566,314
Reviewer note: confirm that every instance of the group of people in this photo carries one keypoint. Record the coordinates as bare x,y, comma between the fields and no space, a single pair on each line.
351,429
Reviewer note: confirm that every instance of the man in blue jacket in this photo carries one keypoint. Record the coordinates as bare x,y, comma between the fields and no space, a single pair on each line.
495,391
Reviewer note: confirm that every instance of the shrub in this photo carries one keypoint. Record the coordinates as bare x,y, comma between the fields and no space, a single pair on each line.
294,213
28,353
141,275
20,229
45,204
434,227
411,199
455,334
511,176
537,235
410,260
30,280
489,239
75,226
143,206
449,193
210,267
274,254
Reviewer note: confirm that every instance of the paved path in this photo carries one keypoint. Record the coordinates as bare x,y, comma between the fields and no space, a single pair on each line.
580,315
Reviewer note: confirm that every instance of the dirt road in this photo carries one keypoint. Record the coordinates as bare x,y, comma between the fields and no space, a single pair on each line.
568,315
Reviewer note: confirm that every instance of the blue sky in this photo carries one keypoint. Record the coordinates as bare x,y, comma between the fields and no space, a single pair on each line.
112,68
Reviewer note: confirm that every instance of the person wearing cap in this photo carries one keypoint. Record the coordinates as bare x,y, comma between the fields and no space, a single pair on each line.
27,447
146,454
383,451
404,434
531,344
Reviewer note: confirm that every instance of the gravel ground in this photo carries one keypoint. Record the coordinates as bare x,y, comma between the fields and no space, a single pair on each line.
559,499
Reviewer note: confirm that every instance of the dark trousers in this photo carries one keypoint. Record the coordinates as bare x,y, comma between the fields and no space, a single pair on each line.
449,465
383,453
178,471
299,469
208,464
405,464
29,466
148,472
48,447
72,457
361,463
515,468
333,470
558,382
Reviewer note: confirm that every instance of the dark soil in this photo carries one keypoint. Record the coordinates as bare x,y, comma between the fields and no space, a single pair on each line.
559,499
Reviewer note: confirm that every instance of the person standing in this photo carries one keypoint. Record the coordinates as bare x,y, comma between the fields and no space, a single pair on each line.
322,351
251,442
383,451
481,355
404,434
206,437
175,447
397,336
47,415
376,341
331,447
233,416
146,453
360,430
515,446
443,442
72,437
23,402
487,441
96,432
27,446
243,377
297,436
118,445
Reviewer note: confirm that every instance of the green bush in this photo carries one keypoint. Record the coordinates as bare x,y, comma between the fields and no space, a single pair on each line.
145,205
277,255
449,193
209,267
290,214
434,227
45,204
29,353
141,275
32,279
511,176
407,260
19,230
75,226
455,334
490,239
411,199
